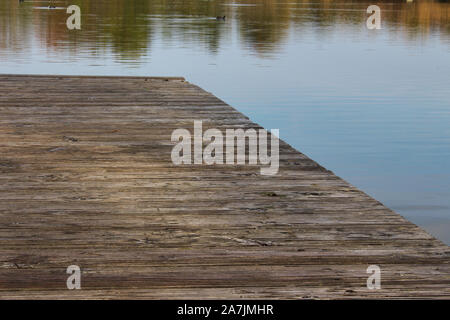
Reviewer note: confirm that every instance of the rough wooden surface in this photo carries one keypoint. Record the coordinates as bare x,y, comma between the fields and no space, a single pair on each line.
86,178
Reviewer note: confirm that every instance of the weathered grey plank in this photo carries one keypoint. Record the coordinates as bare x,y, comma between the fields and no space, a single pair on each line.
86,178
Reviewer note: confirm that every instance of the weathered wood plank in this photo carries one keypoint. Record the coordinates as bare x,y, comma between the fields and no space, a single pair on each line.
86,178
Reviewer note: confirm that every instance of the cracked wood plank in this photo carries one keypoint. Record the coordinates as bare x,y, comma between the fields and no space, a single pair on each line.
86,178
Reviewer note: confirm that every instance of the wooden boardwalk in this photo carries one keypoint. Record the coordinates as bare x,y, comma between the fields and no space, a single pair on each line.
86,179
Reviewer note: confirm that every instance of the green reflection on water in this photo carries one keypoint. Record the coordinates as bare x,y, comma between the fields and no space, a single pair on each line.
129,26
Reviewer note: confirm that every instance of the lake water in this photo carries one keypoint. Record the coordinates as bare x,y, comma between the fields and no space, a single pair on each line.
371,105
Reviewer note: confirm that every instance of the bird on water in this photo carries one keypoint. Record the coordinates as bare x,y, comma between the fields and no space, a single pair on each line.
220,18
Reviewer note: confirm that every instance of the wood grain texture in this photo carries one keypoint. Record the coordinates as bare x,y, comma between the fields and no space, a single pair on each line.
86,178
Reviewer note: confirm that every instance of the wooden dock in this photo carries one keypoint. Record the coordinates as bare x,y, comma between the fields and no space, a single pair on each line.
86,179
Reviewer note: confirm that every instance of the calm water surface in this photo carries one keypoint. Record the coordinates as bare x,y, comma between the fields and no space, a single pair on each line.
371,105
